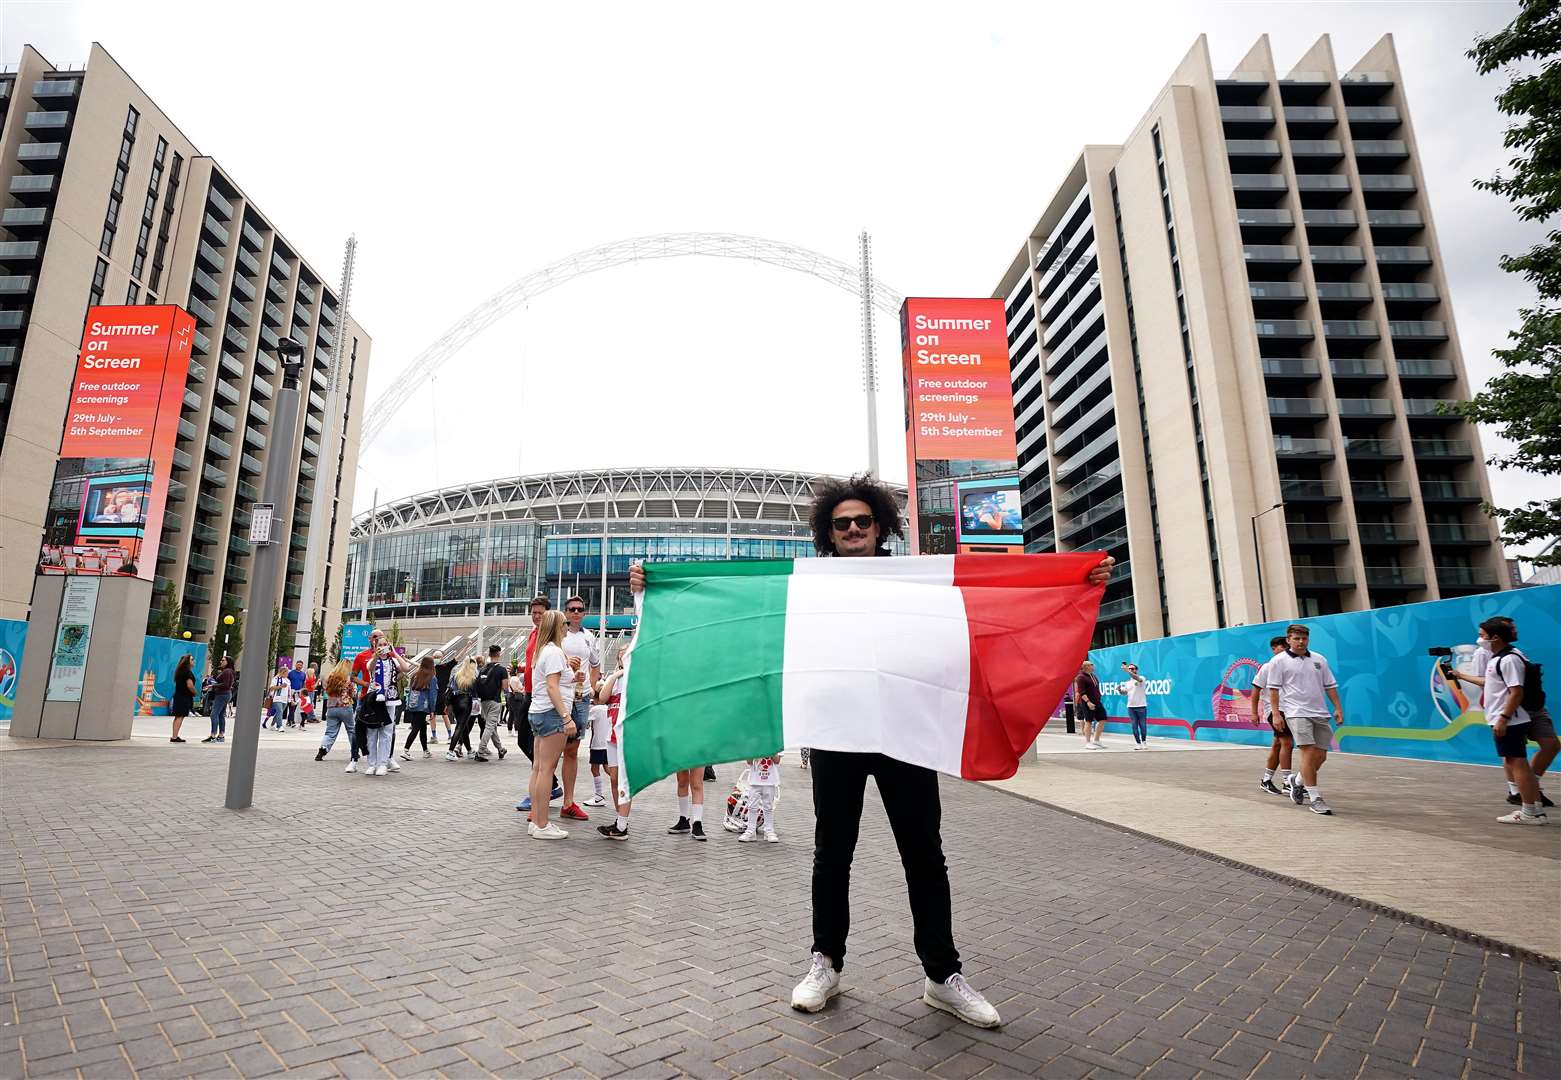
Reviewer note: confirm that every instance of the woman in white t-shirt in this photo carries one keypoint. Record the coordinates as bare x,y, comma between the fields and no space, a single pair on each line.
552,694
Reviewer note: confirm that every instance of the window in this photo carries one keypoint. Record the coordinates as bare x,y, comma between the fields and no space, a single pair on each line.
117,191
163,230
99,278
133,293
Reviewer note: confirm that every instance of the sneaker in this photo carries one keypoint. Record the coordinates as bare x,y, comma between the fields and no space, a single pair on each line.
680,826
709,774
434,738
502,752
1544,800
698,832
379,770
394,767
1297,792
222,738
406,755
1317,806
449,755
1268,786
480,757
748,837
524,806
557,792
595,800
427,755
612,832
770,837
1514,799
1518,817
352,766
550,831
573,811
319,755
731,826
821,983
958,997
209,738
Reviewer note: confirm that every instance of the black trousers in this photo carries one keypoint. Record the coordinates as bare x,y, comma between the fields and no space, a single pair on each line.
418,729
524,736
910,797
360,734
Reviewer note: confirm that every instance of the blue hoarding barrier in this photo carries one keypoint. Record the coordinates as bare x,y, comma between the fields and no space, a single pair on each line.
13,642
159,657
1396,702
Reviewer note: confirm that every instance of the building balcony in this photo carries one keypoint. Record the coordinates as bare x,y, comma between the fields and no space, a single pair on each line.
1316,534
1259,183
19,252
1412,255
1246,119
247,491
196,594
47,121
1289,367
281,266
1353,293
41,157
255,439
227,392
265,364
1243,152
192,400
201,564
235,340
1442,449
1430,411
250,464
1256,219
238,313
1429,370
1271,254
1321,189
1464,577
1351,329
232,601
1456,534
1365,409
33,189
218,447
167,553
1309,115
1420,330
1285,293
251,237
1116,610
1316,149
1371,119
1337,254
52,90
1401,294
1373,450
16,284
1298,491
1395,577
219,205
210,504
182,460
274,316
12,318
1072,495
1361,369
1324,223
1385,188
305,292
1385,534
1322,578
238,543
259,412
1394,223
1095,514
1382,149
260,387
1296,448
1294,329
234,574
177,492
1450,491
249,264
1380,491
1297,407
204,534
214,476
232,366
213,228
21,220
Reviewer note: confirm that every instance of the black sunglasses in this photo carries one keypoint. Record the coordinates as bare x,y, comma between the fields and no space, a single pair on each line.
575,609
861,521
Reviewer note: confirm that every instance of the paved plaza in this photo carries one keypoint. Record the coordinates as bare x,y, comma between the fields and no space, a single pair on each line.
406,926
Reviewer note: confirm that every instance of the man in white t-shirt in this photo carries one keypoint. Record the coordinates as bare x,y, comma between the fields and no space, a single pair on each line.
1300,687
585,663
1541,727
1137,705
1505,676
1280,749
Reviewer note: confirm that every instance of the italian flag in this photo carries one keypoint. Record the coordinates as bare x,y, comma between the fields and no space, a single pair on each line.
953,662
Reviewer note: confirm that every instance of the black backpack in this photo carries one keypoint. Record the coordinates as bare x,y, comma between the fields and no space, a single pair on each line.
490,682
1533,680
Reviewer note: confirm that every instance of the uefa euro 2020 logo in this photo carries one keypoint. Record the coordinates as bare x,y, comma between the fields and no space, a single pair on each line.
7,678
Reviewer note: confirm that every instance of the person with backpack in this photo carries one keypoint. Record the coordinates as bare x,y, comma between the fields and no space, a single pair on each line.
490,695
459,702
1512,685
1541,727
422,696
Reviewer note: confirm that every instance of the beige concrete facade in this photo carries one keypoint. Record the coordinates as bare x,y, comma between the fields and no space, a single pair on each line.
184,233
1236,325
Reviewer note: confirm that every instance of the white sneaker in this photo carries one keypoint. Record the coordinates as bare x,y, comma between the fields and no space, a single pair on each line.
731,826
449,755
550,831
1518,817
434,738
770,837
395,766
406,755
821,983
379,770
748,837
427,755
352,766
958,997
594,800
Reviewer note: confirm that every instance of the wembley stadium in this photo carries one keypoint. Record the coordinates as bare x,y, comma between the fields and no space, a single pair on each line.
466,560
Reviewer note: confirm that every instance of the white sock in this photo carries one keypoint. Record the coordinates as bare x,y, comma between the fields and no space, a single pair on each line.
1268,774
683,806
599,783
623,823
1314,792
1284,776
696,812
1512,789
1530,809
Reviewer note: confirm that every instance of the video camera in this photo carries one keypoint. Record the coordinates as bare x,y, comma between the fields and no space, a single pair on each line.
1444,658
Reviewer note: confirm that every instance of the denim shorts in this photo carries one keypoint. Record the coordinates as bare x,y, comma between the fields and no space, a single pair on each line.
581,715
545,723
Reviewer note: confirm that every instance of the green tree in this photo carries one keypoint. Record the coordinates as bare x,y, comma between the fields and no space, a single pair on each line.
1523,401
235,635
393,635
316,639
279,634
336,645
167,619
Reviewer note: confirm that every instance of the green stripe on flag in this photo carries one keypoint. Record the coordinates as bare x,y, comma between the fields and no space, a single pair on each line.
705,678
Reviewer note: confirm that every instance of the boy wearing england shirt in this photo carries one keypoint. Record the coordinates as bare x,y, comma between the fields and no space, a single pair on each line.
1279,750
1300,686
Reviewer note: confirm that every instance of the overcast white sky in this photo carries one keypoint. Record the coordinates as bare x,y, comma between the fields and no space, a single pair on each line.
467,144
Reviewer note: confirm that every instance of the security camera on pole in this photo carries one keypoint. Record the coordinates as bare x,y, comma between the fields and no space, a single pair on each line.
268,520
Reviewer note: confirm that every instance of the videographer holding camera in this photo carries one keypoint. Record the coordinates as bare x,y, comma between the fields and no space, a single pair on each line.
1508,680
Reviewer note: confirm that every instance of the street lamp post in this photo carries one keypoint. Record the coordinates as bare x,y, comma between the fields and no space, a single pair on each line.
1257,552
227,628
268,520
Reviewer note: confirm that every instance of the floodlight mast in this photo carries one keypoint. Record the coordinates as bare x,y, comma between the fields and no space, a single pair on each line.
869,361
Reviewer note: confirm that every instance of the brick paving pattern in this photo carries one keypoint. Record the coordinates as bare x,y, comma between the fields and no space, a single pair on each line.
406,926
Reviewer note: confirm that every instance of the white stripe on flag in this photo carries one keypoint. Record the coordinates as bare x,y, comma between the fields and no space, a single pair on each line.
914,646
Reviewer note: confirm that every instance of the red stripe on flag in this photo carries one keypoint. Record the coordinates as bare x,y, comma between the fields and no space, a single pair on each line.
1031,618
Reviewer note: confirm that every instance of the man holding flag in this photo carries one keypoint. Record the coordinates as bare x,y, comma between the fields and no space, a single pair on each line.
896,670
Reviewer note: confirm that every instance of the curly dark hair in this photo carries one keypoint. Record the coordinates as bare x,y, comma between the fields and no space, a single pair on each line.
831,493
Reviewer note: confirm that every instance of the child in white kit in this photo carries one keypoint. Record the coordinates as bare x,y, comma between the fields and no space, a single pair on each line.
763,784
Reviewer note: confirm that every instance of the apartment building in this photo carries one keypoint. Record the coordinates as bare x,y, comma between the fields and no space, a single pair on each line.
1232,342
107,202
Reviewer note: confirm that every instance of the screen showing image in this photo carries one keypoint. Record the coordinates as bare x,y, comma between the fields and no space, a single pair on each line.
115,505
987,513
